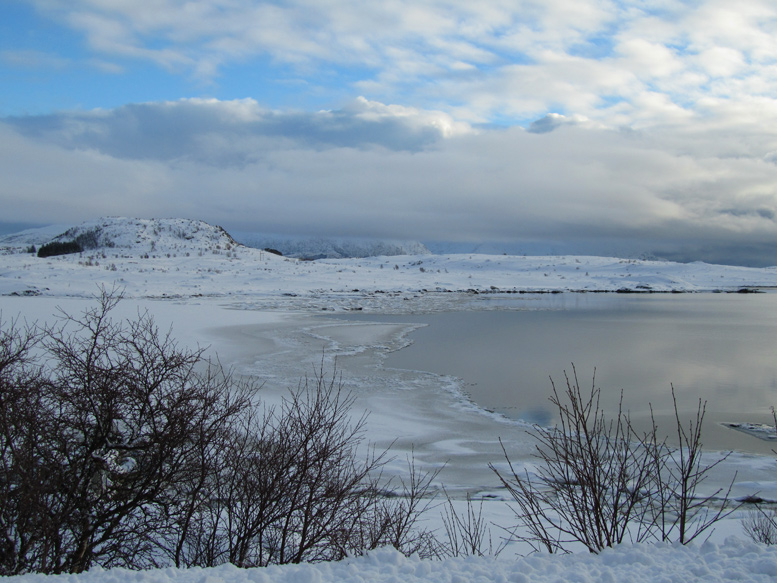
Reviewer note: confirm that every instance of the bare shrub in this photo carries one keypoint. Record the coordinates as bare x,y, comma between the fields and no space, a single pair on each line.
118,448
293,485
99,439
590,479
22,516
307,485
599,483
394,515
761,526
682,513
467,532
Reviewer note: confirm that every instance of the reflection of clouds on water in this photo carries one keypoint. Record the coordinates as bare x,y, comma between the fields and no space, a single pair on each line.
542,416
537,416
432,416
417,413
713,347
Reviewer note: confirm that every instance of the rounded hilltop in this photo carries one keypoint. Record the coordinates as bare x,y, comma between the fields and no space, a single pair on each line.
191,258
150,235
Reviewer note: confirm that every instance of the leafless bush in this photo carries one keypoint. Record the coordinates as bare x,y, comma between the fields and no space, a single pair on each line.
467,532
681,513
294,486
98,437
22,517
307,488
118,448
394,515
599,483
761,526
590,481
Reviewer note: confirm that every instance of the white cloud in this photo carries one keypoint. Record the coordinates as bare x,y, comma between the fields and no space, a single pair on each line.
648,121
649,59
381,170
529,57
236,133
722,61
30,59
374,111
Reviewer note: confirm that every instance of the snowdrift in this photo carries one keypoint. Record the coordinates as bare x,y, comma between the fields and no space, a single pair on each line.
733,561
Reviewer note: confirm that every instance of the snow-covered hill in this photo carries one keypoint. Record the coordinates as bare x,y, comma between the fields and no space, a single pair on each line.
164,257
150,235
163,235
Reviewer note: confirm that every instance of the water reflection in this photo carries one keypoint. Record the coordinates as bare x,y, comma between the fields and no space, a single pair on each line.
715,347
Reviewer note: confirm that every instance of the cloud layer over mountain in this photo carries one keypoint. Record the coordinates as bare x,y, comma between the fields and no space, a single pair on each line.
375,170
597,126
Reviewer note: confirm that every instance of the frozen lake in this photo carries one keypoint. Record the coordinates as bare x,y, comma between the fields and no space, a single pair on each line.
721,348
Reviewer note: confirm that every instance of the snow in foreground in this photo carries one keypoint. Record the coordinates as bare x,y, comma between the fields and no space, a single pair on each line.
733,561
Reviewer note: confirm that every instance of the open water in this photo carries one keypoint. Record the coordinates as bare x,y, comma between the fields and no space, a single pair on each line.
717,348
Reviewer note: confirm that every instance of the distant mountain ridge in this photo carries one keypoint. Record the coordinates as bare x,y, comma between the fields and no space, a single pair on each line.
331,248
133,235
34,236
175,235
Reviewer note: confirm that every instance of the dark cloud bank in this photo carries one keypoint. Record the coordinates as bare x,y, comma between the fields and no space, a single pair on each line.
369,170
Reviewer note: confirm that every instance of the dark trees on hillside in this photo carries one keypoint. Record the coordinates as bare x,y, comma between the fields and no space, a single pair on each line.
59,248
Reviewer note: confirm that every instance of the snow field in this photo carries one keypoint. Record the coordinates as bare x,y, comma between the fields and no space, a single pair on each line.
733,561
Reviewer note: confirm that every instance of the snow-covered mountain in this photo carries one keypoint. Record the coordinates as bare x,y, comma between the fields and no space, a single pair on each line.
171,235
330,248
137,235
162,257
36,236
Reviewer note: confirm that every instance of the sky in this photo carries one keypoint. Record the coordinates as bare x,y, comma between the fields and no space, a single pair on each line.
631,128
